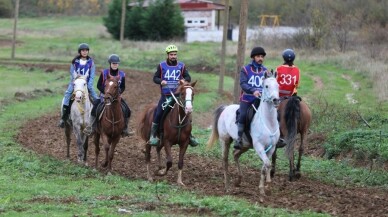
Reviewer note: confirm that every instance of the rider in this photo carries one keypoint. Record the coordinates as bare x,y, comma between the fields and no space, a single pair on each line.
167,75
288,79
251,77
82,64
113,70
288,75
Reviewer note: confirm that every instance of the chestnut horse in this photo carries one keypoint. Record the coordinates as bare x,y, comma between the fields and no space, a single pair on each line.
177,129
79,116
110,124
295,117
264,130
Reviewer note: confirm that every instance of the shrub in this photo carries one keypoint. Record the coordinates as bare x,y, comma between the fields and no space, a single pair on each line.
6,8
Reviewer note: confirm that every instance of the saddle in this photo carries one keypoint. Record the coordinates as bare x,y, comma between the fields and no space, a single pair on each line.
167,106
124,107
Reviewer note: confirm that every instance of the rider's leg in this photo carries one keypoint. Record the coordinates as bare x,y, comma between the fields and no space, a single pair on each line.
65,106
154,140
241,124
127,115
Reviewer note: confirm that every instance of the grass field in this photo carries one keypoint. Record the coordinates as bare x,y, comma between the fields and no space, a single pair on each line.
41,186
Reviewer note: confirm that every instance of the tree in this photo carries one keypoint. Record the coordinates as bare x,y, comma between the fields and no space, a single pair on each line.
112,21
6,8
163,20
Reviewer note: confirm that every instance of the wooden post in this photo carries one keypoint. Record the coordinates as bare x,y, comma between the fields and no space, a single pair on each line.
123,10
223,48
14,29
241,48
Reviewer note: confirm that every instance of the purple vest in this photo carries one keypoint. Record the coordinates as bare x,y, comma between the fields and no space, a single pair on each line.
171,74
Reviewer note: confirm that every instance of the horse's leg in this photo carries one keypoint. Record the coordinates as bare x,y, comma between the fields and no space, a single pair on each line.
182,151
147,154
273,169
237,154
68,139
301,149
225,146
111,153
86,145
97,148
104,164
80,145
160,163
291,174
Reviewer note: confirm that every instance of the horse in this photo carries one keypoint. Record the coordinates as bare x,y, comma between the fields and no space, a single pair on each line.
177,129
79,116
110,124
295,117
264,130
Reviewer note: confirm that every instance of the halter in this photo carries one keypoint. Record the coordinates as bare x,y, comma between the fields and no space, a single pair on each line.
116,96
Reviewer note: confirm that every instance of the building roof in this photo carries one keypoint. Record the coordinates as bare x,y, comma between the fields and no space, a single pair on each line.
189,5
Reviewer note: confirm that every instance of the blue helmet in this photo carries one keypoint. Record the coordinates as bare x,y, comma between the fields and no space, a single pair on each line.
288,55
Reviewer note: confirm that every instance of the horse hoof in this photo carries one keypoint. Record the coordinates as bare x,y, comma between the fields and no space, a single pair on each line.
181,184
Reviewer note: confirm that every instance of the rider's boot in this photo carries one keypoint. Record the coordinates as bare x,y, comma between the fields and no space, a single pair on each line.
281,143
238,143
89,130
125,132
193,141
154,141
65,116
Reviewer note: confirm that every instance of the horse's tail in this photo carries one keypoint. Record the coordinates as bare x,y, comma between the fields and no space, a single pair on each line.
214,136
292,116
143,126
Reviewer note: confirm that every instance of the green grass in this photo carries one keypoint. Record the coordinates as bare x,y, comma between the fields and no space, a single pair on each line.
42,186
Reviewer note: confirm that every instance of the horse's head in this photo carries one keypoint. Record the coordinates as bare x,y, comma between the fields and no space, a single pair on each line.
186,90
111,91
80,88
270,88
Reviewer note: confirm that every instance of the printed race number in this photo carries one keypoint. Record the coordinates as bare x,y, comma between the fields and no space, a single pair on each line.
287,79
172,75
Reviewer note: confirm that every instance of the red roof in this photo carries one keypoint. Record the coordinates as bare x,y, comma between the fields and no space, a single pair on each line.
198,5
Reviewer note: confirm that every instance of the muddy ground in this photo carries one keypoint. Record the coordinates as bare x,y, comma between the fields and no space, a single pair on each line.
204,175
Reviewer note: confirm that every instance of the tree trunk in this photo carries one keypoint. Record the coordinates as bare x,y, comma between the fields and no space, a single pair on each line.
241,47
223,49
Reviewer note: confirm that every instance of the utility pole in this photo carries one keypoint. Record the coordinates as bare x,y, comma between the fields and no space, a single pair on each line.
123,10
241,48
14,29
223,48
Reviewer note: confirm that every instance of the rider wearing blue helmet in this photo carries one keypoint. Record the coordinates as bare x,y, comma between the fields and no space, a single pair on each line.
82,64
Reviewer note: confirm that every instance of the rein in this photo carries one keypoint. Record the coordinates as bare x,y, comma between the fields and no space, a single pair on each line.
181,120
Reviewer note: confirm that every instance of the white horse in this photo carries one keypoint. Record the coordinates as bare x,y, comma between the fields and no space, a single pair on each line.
79,116
264,130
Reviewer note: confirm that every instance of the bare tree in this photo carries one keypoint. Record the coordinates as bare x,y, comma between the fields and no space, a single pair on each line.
223,49
241,47
14,29
123,10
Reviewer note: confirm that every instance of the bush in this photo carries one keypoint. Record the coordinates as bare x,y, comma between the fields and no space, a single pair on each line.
6,8
162,20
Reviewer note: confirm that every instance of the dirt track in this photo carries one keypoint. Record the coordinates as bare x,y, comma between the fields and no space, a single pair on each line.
202,174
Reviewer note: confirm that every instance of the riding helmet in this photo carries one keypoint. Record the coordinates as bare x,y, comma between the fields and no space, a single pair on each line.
113,58
171,48
288,55
83,46
257,51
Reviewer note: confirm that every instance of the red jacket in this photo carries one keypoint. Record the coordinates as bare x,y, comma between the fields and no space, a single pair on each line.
288,79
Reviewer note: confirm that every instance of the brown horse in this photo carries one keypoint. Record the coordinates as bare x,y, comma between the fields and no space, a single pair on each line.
110,124
295,117
177,129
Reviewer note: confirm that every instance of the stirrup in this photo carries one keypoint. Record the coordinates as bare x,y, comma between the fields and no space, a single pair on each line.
193,142
61,124
154,141
88,131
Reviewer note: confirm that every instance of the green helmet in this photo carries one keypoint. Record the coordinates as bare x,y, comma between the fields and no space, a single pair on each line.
113,58
83,46
171,48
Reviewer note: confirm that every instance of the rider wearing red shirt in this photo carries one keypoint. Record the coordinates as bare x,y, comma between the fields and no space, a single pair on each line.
288,75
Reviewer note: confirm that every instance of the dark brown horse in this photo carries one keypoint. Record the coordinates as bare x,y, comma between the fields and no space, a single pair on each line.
177,129
295,118
110,124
